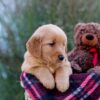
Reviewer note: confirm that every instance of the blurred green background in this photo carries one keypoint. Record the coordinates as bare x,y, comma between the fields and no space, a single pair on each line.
19,19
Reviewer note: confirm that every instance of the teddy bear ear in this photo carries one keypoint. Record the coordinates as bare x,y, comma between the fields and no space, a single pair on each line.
78,26
95,24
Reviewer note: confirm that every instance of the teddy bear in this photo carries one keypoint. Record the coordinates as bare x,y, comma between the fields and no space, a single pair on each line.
85,56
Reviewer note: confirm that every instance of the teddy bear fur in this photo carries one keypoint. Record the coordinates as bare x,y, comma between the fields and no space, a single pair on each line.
87,45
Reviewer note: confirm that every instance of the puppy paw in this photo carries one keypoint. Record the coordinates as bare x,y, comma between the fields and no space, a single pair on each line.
45,77
48,82
62,84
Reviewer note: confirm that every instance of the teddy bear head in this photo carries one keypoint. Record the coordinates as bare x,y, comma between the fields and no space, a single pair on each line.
87,34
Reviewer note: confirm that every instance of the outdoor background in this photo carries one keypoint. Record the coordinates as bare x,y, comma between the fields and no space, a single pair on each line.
20,18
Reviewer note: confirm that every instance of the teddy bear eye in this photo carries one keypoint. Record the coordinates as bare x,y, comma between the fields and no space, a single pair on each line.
82,30
95,33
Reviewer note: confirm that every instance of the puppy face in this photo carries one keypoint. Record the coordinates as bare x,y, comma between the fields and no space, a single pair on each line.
48,43
87,34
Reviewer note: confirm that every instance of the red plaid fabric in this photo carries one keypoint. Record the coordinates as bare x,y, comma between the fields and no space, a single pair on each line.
82,87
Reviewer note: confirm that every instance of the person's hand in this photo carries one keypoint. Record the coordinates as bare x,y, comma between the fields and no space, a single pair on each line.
95,69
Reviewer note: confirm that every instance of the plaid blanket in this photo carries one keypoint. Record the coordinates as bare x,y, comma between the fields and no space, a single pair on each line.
82,87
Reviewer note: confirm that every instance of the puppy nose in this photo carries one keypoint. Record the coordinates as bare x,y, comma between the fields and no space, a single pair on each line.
89,37
61,57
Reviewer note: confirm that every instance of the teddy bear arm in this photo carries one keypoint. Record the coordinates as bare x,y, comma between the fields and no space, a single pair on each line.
72,55
76,67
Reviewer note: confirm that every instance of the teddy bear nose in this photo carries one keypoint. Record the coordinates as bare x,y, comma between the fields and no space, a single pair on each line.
61,57
89,37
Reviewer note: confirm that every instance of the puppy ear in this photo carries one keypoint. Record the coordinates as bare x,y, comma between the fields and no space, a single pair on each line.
34,46
78,26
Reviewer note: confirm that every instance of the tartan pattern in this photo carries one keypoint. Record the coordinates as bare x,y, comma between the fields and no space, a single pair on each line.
84,86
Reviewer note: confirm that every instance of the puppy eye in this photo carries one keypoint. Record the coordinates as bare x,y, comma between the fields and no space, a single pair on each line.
51,44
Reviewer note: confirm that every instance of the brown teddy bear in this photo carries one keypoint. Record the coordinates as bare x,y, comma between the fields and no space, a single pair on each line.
85,57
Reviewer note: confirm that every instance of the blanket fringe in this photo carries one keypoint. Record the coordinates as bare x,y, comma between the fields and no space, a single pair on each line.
27,96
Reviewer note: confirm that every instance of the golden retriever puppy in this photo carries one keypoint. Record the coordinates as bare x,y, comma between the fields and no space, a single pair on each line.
46,57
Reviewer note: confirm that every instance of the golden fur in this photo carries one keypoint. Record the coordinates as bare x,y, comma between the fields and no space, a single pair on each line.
41,57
